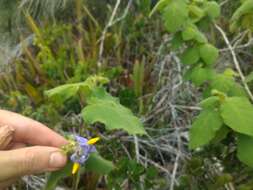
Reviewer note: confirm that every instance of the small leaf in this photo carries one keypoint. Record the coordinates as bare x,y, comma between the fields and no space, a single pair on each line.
237,113
244,149
208,53
190,56
175,14
213,9
199,75
63,92
55,177
191,32
97,164
196,13
204,128
230,73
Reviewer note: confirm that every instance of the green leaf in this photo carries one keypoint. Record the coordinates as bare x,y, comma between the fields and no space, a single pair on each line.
175,15
67,91
63,93
100,93
221,134
208,53
56,176
230,73
191,32
244,149
99,165
190,56
204,128
200,37
196,13
212,9
199,75
113,115
222,83
237,113
176,41
211,102
237,90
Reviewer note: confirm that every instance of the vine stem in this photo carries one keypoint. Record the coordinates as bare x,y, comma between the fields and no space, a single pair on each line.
236,62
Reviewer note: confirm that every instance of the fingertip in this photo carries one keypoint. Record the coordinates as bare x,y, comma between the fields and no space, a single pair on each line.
57,160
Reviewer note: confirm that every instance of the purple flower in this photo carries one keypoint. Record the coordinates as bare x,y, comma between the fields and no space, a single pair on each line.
83,150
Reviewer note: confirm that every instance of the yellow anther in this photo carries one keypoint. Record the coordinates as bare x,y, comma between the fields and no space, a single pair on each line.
75,168
93,140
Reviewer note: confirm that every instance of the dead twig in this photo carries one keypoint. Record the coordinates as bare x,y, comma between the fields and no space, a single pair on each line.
236,62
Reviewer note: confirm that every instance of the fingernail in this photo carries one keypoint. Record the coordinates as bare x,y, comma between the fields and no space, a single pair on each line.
57,160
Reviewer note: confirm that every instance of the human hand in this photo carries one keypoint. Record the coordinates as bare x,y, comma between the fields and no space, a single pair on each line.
16,160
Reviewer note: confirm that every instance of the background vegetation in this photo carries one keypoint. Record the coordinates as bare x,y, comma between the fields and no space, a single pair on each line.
45,44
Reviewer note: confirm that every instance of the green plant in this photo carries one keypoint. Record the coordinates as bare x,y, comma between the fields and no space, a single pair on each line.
226,107
242,18
100,107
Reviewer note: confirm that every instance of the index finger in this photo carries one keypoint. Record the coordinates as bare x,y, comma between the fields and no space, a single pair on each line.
29,131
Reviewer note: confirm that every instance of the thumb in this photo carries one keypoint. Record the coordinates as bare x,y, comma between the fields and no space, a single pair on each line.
30,160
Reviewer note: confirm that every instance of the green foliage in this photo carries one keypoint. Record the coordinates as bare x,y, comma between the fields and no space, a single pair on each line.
130,169
199,74
196,13
101,107
190,56
242,17
213,9
206,124
67,54
226,109
191,32
55,177
138,78
67,91
210,102
226,83
175,14
237,113
112,114
97,164
208,53
244,149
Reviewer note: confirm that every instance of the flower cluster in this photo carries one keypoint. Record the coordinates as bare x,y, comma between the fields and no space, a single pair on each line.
82,150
